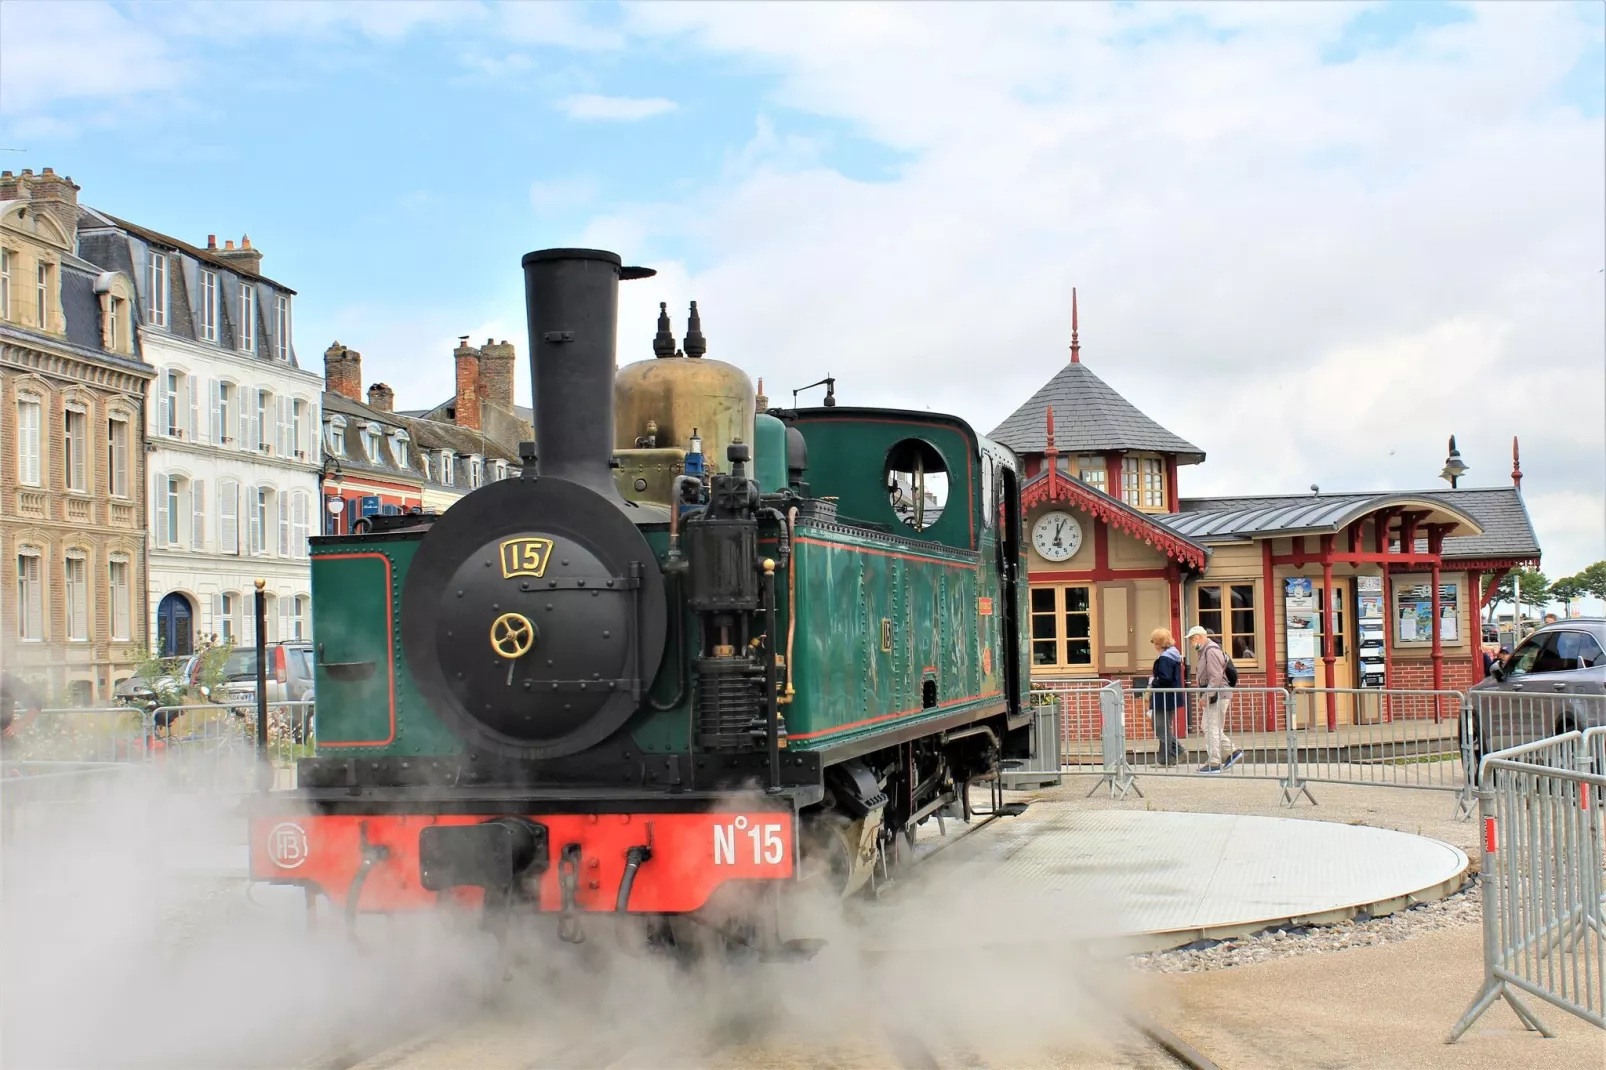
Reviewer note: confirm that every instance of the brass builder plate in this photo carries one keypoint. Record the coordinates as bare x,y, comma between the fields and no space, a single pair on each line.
524,556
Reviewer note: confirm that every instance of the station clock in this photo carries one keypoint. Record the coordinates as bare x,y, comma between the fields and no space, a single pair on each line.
1057,536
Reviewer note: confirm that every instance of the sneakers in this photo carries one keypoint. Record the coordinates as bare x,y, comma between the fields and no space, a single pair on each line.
1211,767
1232,759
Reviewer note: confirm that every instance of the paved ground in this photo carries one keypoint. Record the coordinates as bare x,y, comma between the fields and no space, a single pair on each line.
1376,1007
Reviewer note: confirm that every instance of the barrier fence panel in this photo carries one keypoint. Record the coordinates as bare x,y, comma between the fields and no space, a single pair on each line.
1080,722
1167,729
1377,737
90,734
214,747
32,792
1500,720
1544,931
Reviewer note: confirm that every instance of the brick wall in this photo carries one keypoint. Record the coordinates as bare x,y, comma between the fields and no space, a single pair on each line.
466,403
496,374
342,371
53,520
381,397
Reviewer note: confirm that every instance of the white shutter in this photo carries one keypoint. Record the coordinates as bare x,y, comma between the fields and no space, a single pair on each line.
286,447
242,417
299,534
284,617
159,487
198,503
193,432
282,507
214,420
228,520
216,625
253,521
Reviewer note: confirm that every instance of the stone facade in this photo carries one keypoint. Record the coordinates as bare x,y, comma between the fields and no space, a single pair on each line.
232,436
72,427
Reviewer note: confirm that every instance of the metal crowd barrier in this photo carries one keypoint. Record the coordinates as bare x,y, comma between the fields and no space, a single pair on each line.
1076,701
32,791
1399,738
1499,720
204,746
1544,898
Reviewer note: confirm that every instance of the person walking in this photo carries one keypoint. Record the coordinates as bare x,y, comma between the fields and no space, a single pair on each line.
15,693
1210,674
1165,684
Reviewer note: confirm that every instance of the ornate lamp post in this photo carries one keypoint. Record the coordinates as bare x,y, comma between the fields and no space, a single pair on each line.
1454,469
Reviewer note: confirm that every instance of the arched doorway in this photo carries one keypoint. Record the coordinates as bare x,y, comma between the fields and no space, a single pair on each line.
175,636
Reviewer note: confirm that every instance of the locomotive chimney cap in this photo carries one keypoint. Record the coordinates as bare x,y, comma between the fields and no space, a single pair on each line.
625,273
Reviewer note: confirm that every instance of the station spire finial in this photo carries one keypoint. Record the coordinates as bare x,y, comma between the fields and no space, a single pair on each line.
1076,345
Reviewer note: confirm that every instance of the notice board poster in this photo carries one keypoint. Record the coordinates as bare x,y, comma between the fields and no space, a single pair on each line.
1413,615
1299,610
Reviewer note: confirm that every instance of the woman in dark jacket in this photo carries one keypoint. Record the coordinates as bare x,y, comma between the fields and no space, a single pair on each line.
1163,697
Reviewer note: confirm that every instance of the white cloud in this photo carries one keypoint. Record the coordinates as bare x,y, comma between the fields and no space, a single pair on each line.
1316,272
561,194
80,51
614,109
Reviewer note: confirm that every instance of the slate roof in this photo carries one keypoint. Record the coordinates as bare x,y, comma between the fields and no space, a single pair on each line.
523,412
422,435
1499,511
158,238
1088,416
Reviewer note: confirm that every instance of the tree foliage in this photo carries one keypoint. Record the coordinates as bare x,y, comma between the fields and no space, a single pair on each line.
1588,583
1534,588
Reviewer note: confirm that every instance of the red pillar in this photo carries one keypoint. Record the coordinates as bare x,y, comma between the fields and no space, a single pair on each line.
1435,540
1174,578
1269,650
1475,595
1328,657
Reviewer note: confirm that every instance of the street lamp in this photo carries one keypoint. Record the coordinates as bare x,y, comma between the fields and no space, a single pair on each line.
329,486
1454,469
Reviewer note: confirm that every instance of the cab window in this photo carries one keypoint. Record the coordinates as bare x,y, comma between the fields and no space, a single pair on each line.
1525,659
1572,650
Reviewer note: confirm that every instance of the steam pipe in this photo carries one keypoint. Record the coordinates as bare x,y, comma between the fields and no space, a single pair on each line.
772,709
634,857
674,514
572,304
791,599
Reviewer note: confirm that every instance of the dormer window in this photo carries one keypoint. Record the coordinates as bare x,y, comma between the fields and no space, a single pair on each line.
156,286
335,435
248,317
1143,482
448,476
1090,470
398,448
209,305
370,442
476,471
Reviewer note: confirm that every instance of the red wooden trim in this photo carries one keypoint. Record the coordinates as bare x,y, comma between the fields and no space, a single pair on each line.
1114,468
889,716
1101,507
884,553
390,646
1436,540
1269,576
972,451
1172,496
1389,624
1095,575
1487,593
1475,588
1300,559
1328,657
1101,546
1174,578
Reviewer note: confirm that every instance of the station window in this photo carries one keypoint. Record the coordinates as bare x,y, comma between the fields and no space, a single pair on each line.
1062,626
916,483
1090,470
1230,606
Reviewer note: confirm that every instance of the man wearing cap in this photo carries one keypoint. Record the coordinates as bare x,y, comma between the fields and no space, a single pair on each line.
1210,674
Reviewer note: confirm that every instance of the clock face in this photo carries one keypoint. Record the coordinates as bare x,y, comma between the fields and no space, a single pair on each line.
1057,536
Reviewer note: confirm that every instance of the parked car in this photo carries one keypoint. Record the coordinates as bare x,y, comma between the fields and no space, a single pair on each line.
180,678
1554,682
290,679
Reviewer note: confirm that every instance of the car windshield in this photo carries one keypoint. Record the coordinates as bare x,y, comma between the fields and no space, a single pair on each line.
242,664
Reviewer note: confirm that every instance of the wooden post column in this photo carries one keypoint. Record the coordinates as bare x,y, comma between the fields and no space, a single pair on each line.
1328,657
1435,541
1474,590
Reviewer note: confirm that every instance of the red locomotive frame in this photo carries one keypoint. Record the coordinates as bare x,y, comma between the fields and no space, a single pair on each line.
692,855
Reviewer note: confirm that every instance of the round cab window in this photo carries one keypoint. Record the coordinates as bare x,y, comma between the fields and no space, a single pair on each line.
917,483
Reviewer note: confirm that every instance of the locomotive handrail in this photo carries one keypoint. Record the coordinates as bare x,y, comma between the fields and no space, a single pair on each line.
345,671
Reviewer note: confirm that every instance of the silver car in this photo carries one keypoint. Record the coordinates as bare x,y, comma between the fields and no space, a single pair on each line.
1554,682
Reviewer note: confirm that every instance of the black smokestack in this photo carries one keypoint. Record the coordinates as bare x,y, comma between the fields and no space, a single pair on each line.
572,300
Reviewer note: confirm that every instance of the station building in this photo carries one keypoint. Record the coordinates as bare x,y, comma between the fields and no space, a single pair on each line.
1329,590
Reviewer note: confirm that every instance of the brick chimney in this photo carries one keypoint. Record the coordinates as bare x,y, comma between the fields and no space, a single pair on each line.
57,197
381,397
466,405
342,371
246,260
496,374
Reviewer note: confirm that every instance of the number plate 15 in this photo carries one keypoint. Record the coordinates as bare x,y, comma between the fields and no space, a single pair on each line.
753,842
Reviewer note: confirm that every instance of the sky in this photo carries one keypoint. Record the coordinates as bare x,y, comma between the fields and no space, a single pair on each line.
1314,239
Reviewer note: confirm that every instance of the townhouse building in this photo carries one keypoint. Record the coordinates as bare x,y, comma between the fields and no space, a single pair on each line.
379,460
232,443
73,392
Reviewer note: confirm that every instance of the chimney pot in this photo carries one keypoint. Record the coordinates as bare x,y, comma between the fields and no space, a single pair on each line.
245,241
211,241
48,171
229,244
